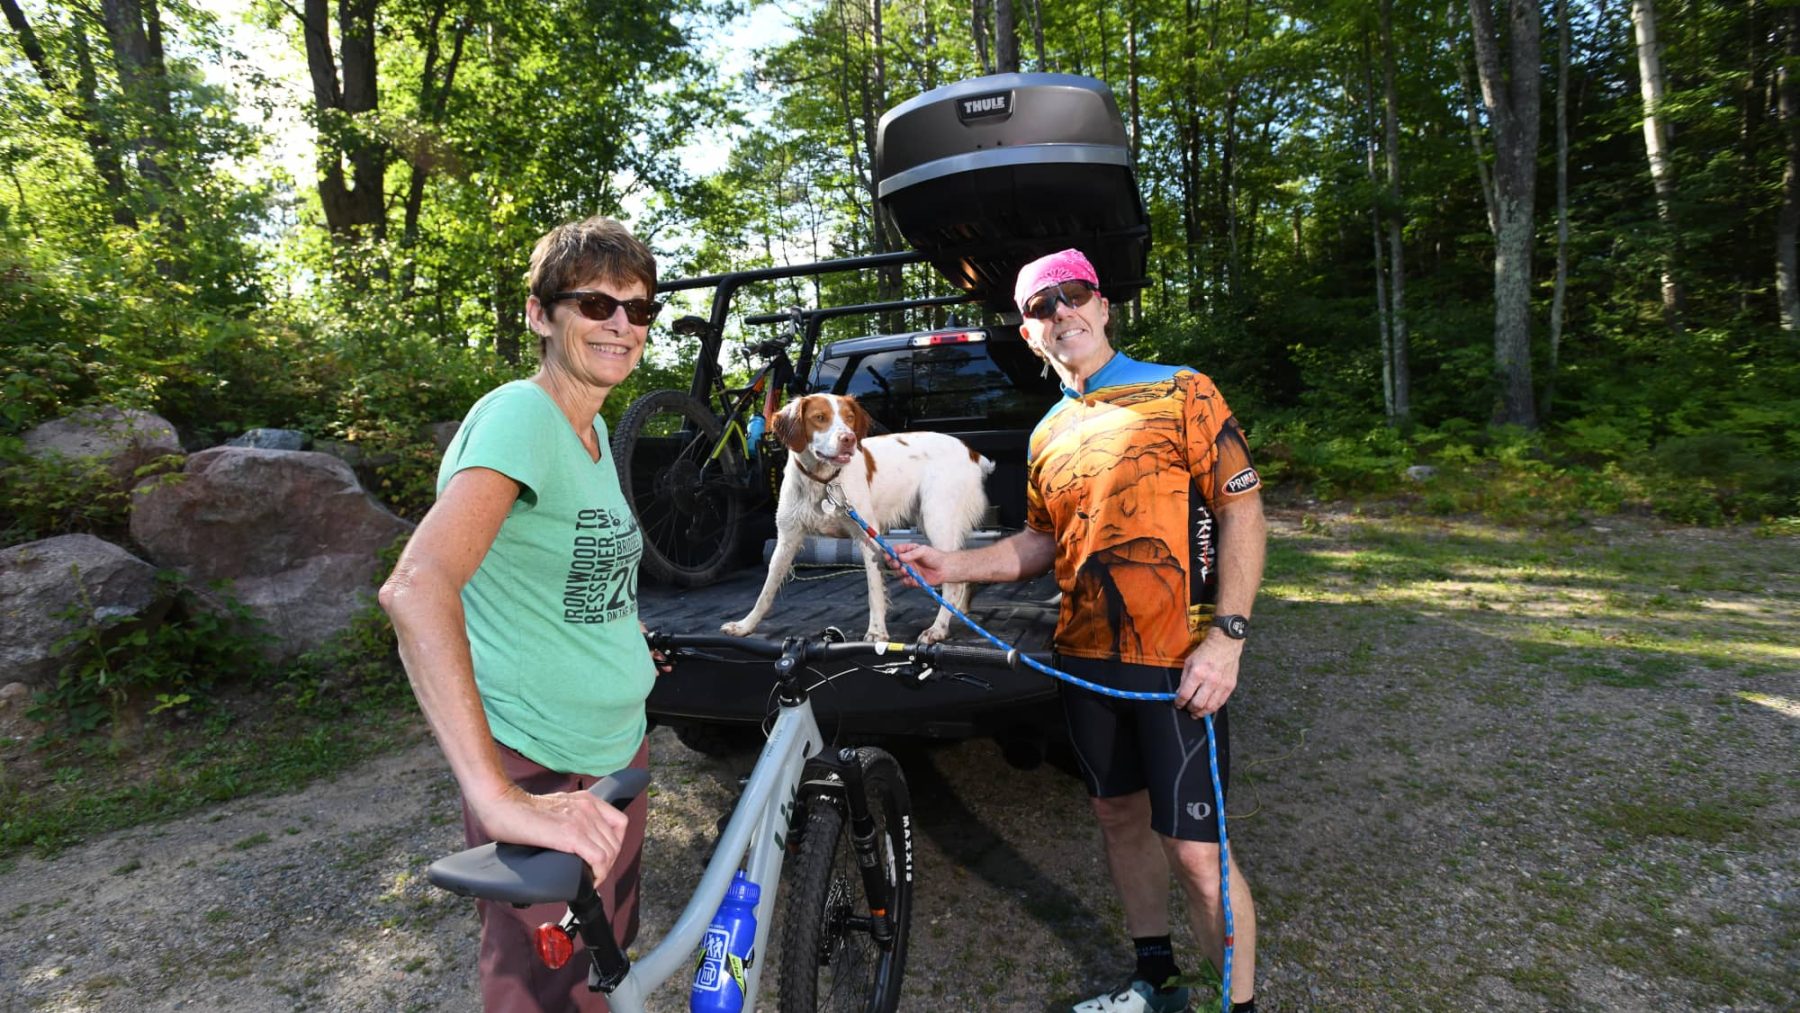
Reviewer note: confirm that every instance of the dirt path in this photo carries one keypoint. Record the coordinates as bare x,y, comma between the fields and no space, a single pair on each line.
1477,769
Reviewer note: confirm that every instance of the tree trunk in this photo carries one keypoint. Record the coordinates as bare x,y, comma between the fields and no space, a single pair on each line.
1560,291
1511,90
508,328
928,45
978,28
1188,132
1787,226
1131,74
1037,34
1402,407
28,42
1006,38
82,107
1472,103
1228,191
890,280
1382,331
135,30
353,201
433,97
1656,143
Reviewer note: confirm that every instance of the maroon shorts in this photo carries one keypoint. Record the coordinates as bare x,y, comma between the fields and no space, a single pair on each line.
513,979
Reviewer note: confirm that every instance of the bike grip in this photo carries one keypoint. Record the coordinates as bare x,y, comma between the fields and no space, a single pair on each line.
946,653
621,786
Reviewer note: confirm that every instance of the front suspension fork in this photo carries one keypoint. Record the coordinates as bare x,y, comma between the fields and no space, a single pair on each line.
863,836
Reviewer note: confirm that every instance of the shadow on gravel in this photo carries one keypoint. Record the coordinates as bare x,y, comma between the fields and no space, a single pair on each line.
967,840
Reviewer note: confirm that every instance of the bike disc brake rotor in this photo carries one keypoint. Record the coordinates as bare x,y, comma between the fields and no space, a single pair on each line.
681,483
845,945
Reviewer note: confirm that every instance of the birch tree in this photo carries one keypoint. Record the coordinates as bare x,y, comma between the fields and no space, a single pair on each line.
1401,408
1787,227
1654,89
1560,290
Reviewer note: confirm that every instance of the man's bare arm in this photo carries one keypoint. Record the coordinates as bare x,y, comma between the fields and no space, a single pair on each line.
1018,557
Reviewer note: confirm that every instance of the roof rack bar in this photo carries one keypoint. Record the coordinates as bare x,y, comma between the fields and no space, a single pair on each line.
812,318
831,312
725,286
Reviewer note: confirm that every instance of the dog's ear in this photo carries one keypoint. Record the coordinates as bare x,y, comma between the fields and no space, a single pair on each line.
858,420
787,428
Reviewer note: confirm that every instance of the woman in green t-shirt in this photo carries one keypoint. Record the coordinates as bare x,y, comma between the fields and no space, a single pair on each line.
515,603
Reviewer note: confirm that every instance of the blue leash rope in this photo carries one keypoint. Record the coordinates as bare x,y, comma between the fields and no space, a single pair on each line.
1212,752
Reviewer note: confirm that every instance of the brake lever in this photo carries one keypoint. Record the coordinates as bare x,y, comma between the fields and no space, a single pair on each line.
920,673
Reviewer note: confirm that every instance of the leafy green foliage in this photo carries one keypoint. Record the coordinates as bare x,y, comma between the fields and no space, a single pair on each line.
116,663
41,497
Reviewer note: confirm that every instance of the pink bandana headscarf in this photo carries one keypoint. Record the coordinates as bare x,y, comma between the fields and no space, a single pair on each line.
1069,265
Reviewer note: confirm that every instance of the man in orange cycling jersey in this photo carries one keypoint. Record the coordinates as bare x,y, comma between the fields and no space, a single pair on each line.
1143,498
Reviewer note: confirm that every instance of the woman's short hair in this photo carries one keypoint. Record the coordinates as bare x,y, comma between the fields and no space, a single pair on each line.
578,252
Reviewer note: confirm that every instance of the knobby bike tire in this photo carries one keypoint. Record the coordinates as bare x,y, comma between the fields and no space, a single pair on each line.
828,963
687,501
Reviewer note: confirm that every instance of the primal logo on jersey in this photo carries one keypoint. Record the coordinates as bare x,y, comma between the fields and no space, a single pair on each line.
1243,481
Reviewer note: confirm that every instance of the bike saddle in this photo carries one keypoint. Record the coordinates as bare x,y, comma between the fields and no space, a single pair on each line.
519,874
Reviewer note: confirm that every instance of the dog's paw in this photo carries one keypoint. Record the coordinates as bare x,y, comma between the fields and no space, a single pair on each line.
876,634
737,629
934,634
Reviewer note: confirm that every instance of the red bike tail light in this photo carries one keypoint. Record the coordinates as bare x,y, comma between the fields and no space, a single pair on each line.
554,947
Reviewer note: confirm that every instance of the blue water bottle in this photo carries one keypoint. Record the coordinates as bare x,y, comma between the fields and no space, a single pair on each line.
754,434
719,980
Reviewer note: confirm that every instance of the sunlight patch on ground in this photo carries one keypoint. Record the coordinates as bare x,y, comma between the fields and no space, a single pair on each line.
1779,704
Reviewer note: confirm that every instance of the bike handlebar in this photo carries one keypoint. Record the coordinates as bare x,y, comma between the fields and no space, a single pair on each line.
803,649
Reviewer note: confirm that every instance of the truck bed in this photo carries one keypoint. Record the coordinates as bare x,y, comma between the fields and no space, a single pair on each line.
735,692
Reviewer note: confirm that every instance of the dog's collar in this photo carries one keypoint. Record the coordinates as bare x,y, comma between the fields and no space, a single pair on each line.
826,481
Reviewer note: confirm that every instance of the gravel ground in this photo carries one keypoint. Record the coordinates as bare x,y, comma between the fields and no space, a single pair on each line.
1477,769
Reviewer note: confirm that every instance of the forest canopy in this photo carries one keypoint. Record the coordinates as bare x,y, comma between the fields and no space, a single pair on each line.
1549,247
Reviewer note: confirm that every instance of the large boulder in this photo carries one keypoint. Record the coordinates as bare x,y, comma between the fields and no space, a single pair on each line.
292,530
40,582
271,439
123,439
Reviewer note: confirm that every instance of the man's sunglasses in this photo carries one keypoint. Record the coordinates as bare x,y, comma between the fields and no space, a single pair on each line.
600,306
1042,304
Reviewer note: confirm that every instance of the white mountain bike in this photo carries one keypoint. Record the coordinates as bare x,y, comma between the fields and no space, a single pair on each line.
846,818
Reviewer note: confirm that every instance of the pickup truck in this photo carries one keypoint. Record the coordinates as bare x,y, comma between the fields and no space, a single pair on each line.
978,177
980,385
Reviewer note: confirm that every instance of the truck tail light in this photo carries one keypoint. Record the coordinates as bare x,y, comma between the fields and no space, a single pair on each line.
952,338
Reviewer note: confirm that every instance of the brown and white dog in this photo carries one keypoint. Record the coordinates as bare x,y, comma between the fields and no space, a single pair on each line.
931,480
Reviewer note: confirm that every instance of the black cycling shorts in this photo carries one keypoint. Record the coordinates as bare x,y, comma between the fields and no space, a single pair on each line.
1124,746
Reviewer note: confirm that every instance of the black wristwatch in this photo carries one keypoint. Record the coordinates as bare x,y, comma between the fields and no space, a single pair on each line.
1235,627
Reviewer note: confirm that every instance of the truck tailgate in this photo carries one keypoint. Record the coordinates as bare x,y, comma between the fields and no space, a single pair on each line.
717,689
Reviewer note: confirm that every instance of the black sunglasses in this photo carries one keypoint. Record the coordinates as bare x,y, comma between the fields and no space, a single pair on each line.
1042,304
600,306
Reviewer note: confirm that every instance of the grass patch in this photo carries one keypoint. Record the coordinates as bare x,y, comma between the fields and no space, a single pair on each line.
1549,982
175,776
1662,813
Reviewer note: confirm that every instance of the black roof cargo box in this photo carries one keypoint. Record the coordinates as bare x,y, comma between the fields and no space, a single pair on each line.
986,174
